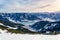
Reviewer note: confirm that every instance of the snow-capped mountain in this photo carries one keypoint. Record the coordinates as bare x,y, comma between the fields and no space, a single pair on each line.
44,26
18,17
33,22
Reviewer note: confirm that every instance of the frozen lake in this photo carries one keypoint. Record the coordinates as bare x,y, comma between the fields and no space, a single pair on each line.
29,22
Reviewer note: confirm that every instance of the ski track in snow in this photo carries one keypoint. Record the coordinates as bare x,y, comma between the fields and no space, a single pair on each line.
9,36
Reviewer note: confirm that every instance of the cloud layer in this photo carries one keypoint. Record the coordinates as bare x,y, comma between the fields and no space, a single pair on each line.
27,5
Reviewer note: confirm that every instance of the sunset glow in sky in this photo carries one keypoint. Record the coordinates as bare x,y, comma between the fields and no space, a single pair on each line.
29,5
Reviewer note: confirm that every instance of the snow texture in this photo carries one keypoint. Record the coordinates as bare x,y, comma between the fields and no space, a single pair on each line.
9,36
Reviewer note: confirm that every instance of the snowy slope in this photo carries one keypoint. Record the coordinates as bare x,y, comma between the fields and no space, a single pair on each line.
9,36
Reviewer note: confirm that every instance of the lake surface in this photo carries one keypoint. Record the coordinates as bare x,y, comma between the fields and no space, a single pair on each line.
29,22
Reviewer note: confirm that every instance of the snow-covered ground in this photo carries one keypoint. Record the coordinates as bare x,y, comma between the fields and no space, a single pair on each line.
9,36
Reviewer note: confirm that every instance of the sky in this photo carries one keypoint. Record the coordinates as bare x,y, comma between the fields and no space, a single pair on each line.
29,5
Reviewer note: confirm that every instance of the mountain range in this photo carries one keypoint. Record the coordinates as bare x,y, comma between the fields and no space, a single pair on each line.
43,22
